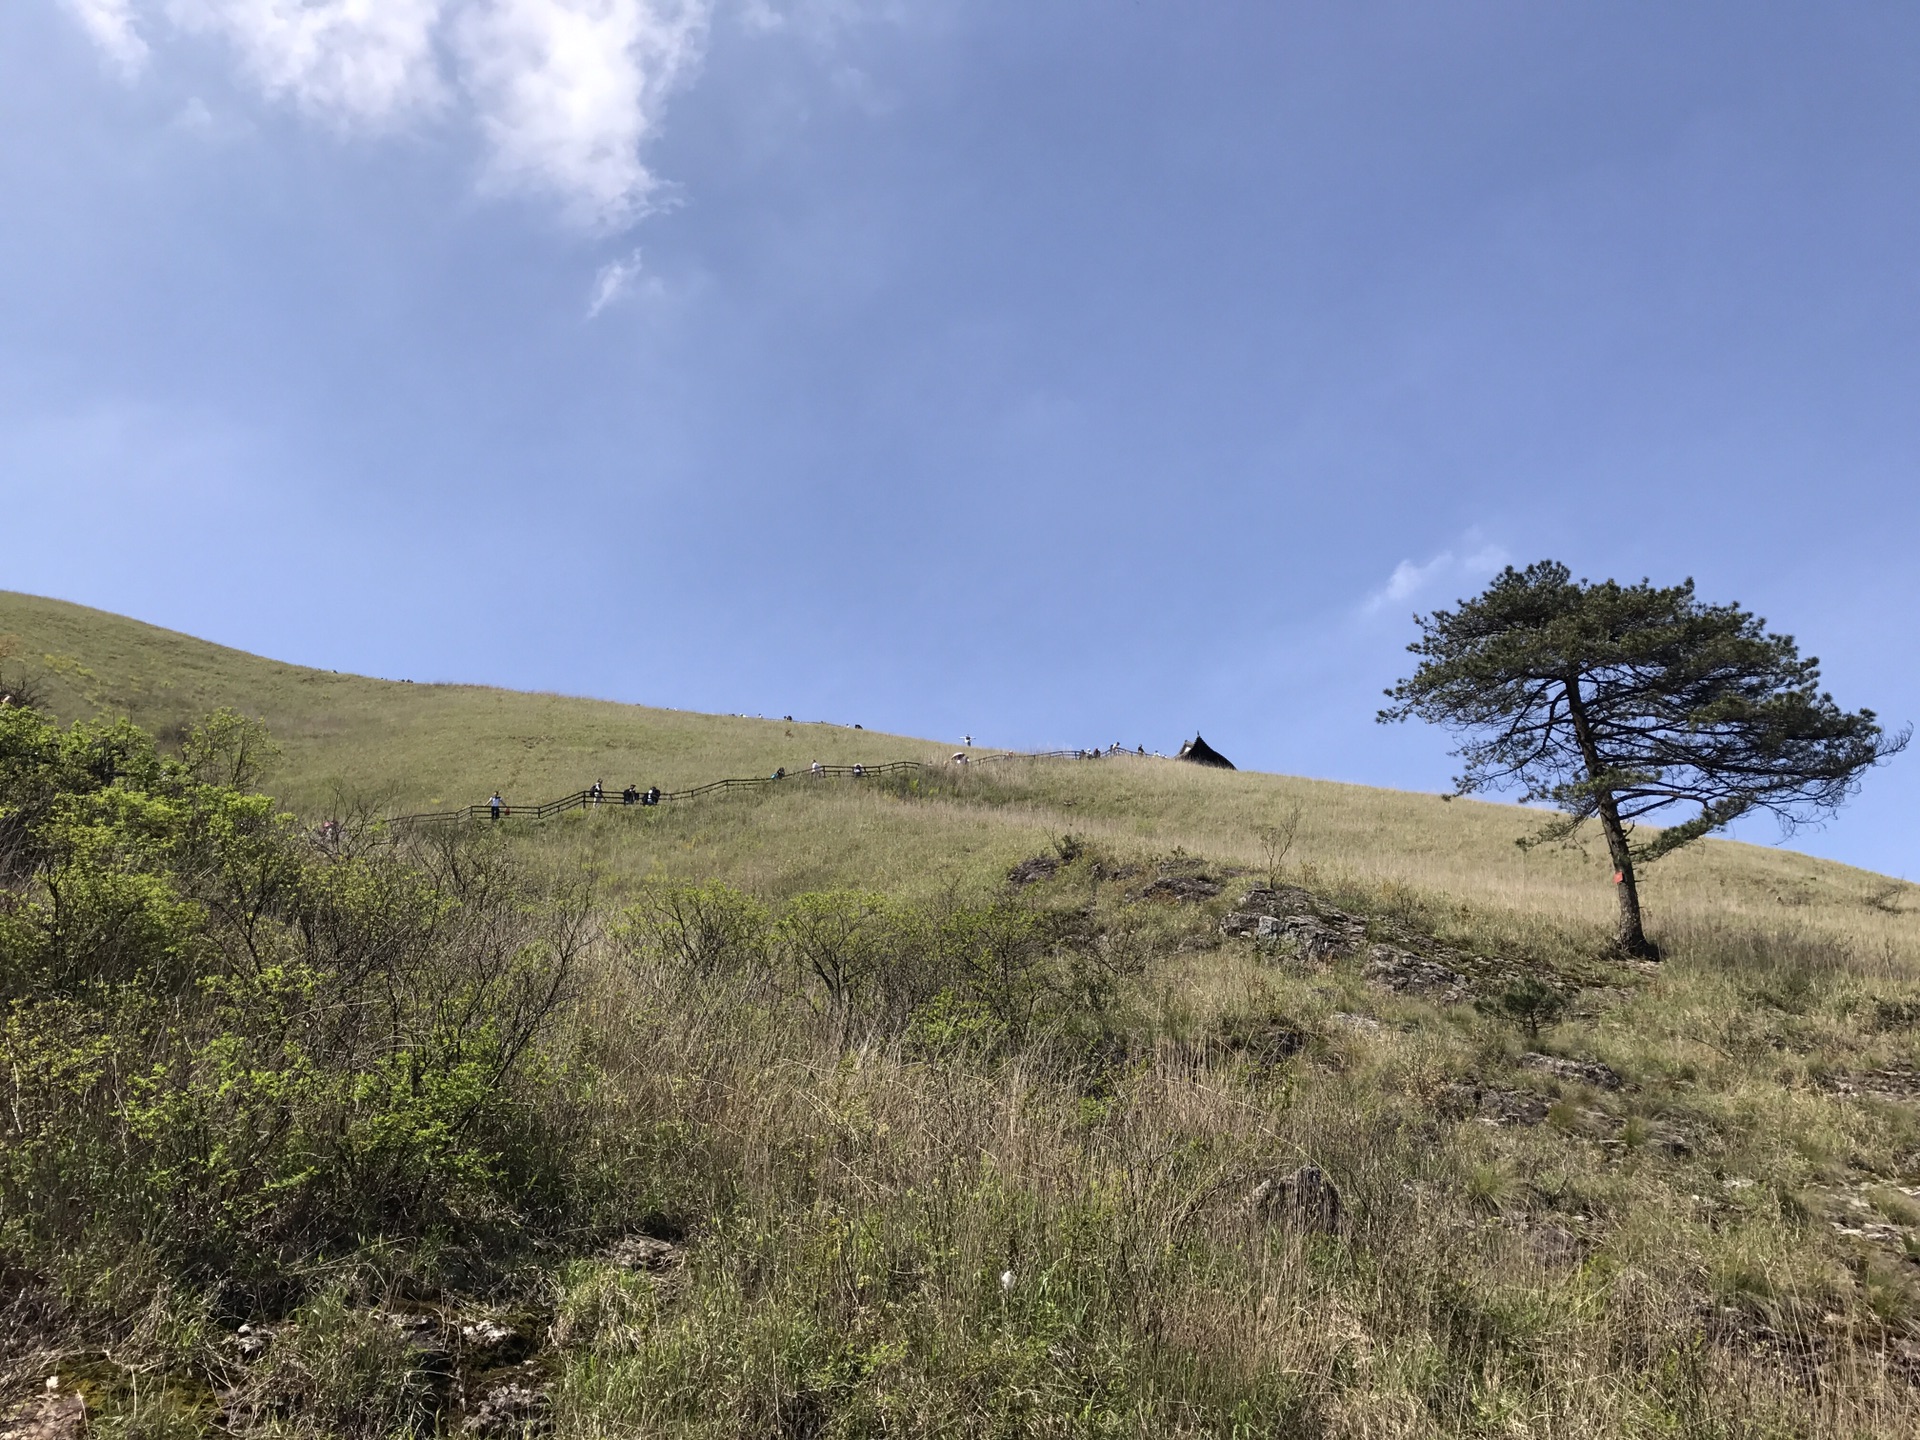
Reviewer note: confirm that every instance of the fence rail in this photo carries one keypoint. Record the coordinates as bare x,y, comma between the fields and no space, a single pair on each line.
586,799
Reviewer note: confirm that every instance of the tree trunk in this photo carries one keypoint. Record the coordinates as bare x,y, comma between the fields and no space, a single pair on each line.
1630,935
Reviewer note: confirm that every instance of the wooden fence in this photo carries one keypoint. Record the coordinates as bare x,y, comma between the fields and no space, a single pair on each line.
586,799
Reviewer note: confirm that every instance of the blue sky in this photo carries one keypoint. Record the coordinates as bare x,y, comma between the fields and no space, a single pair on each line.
1057,373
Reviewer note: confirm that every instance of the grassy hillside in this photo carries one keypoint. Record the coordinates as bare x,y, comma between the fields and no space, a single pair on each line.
868,1141
411,746
399,747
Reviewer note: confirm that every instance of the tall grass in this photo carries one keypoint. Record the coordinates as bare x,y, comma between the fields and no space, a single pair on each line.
882,1241
939,1157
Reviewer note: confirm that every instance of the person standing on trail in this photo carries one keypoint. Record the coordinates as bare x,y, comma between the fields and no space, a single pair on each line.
595,793
629,795
653,795
818,768
494,804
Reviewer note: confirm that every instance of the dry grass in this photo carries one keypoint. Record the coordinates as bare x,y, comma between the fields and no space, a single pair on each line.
404,747
1724,1247
922,1248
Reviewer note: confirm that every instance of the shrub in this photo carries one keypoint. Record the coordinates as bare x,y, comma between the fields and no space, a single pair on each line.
996,957
238,1052
702,931
842,947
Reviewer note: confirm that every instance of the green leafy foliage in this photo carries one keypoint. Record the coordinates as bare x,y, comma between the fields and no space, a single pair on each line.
703,930
845,946
228,749
869,964
240,1050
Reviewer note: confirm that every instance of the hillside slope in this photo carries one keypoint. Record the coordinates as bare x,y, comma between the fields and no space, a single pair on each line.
376,1135
397,747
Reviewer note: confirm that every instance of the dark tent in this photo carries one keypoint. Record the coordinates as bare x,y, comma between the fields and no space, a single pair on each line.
1201,753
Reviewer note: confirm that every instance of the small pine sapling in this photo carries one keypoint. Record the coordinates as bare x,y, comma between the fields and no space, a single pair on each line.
1528,1002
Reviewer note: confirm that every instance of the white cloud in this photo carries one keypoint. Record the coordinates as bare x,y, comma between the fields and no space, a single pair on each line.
760,17
616,281
194,117
567,90
1468,564
565,93
349,62
199,120
110,23
819,20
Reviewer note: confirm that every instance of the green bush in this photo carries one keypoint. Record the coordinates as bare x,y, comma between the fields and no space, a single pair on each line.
702,931
241,1051
849,950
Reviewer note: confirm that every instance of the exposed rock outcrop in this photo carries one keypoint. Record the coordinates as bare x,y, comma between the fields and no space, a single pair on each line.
1280,900
1406,973
1493,1106
1027,872
1317,932
1554,1245
1584,1072
513,1408
1305,1200
57,1415
1181,889
644,1252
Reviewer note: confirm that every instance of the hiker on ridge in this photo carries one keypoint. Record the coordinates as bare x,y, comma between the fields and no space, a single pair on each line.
494,804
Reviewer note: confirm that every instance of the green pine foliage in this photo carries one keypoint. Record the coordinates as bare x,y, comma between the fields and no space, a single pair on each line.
1617,703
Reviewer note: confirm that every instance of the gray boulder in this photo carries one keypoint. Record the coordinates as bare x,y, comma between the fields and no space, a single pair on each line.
56,1415
644,1252
1584,1072
514,1408
1406,973
1305,1200
1492,1106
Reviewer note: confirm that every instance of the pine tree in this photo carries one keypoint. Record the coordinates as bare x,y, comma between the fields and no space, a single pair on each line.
1617,702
